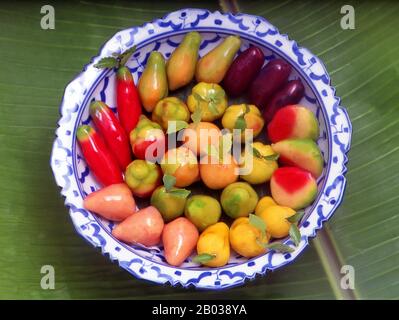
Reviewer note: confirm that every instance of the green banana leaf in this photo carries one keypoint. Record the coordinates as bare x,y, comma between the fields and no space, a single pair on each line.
35,228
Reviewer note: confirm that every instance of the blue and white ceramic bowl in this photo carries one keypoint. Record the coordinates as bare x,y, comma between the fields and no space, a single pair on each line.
75,179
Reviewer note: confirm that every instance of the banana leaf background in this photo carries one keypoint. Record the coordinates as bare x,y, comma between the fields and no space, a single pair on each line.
35,228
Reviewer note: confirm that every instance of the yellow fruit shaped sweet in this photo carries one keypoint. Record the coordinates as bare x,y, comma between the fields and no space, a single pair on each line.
246,239
214,240
263,203
258,164
181,163
210,98
241,117
276,221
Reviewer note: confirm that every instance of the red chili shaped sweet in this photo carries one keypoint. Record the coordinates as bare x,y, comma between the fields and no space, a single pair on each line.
128,101
100,161
112,132
127,96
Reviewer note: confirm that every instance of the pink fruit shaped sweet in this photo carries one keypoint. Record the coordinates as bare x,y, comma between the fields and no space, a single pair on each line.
179,240
114,202
293,187
144,227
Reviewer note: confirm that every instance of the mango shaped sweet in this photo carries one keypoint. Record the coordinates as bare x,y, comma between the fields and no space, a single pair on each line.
179,239
214,240
302,153
245,238
293,187
275,218
170,109
153,84
180,68
114,202
213,66
241,117
203,211
293,121
181,163
170,204
210,98
144,227
263,203
143,177
258,165
238,199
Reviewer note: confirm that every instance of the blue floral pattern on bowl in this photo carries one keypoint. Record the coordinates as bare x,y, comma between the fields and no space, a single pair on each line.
73,175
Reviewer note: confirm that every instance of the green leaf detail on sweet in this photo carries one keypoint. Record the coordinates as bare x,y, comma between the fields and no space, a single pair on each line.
199,98
117,60
108,62
196,116
179,125
240,123
258,223
216,96
203,258
296,217
256,153
272,157
181,193
168,181
212,105
124,56
279,247
225,144
212,99
295,234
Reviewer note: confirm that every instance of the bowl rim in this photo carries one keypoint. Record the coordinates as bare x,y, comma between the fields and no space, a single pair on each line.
62,158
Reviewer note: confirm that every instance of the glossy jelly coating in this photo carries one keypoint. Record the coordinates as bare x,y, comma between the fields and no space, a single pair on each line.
293,187
243,71
144,227
270,79
294,121
291,93
302,153
179,239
